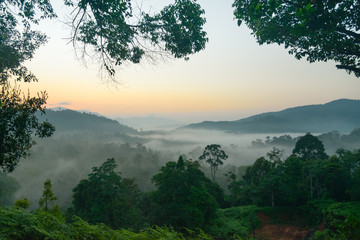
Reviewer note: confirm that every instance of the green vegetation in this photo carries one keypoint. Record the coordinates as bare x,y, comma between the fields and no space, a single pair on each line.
185,197
215,157
48,198
305,189
17,223
114,32
19,124
305,176
106,197
183,203
315,30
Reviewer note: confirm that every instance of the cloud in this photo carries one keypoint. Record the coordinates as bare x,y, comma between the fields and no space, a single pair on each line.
65,103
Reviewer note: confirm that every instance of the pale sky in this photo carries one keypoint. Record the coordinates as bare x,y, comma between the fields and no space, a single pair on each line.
232,78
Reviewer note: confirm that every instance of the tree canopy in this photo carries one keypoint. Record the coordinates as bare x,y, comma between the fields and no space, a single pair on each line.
309,147
17,46
19,123
114,31
318,30
18,43
118,32
214,156
106,197
48,198
184,196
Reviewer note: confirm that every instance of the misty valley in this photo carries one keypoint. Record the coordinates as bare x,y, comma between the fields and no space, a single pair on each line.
292,174
165,179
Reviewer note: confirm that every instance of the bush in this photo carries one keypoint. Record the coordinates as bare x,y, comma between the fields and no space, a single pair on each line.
17,223
235,222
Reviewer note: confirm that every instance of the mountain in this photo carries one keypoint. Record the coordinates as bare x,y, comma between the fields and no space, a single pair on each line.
151,122
66,120
342,115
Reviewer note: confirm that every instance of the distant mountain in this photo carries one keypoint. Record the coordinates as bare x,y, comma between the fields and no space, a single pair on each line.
66,120
151,122
342,115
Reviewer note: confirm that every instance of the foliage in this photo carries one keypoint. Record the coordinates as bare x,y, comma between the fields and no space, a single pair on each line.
184,198
105,197
17,223
341,221
295,181
214,156
16,47
235,222
48,198
8,188
22,203
317,30
109,27
309,147
19,123
17,114
117,32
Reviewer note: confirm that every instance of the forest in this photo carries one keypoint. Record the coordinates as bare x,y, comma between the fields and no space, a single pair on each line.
307,190
97,179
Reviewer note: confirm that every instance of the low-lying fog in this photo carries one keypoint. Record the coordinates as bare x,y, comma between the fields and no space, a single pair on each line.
239,147
66,158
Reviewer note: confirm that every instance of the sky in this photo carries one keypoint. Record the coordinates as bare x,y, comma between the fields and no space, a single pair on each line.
234,77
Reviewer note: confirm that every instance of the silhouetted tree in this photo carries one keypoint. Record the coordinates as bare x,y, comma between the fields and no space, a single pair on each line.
17,113
118,33
115,30
111,28
309,147
317,30
214,156
19,124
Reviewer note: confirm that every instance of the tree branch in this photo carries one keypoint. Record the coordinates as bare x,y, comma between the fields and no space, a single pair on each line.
355,35
354,69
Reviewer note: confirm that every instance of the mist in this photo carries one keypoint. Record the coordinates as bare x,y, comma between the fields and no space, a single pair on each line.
66,158
69,155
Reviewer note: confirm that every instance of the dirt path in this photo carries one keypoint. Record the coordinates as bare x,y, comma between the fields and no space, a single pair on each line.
270,231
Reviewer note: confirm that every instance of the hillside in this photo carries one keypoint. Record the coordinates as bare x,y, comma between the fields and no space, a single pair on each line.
342,115
68,120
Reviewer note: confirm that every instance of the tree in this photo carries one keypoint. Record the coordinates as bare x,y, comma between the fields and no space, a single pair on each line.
23,203
264,178
16,47
17,113
337,179
8,188
48,198
318,30
118,33
113,31
214,156
19,123
105,197
309,147
184,198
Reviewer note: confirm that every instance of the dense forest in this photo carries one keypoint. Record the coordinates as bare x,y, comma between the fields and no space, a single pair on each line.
309,190
98,179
